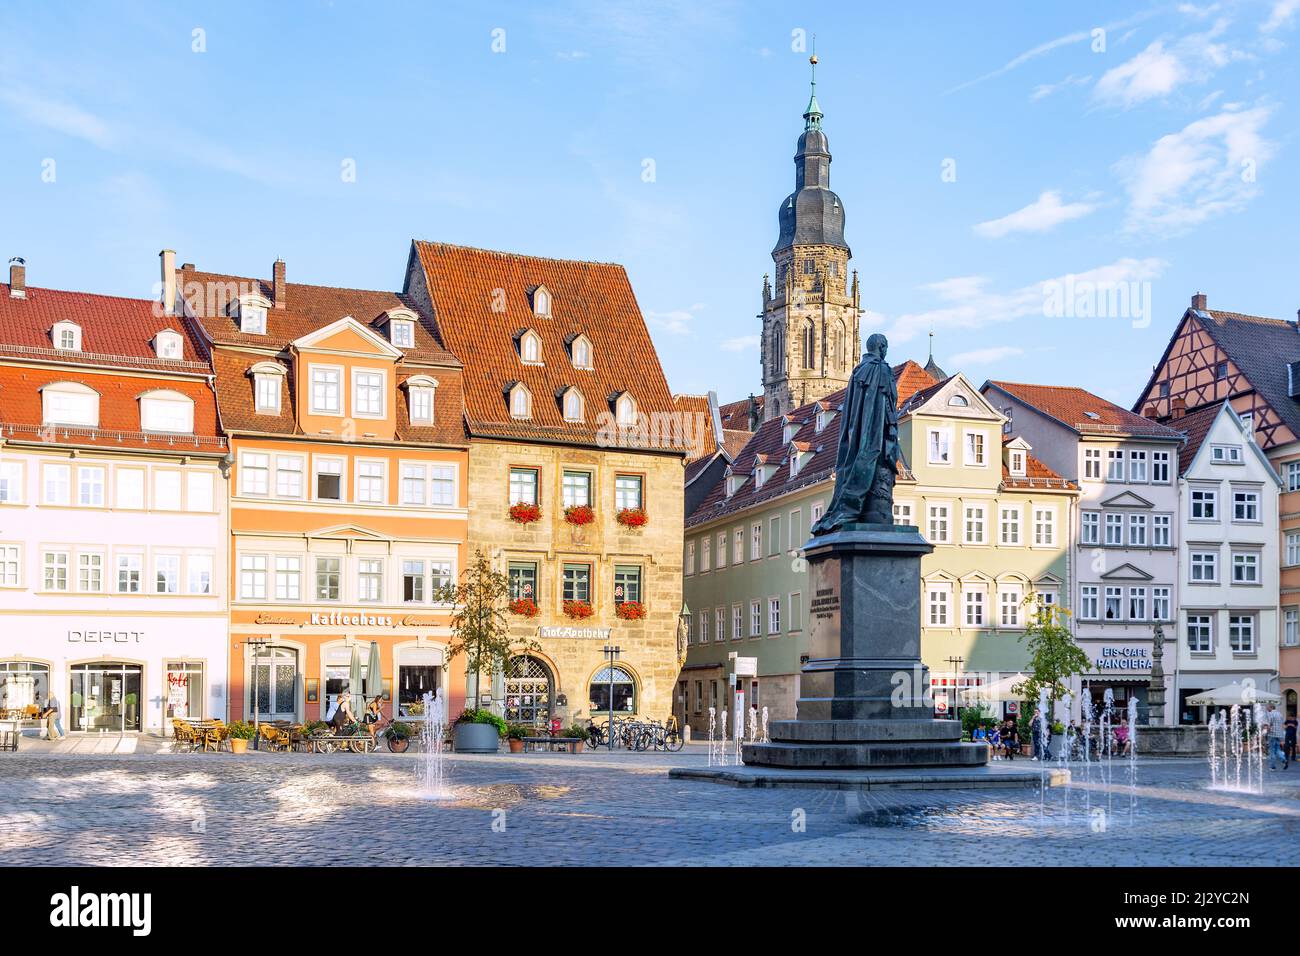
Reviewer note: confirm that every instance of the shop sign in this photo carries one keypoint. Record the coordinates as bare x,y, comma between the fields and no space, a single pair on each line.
1123,659
346,619
104,637
563,632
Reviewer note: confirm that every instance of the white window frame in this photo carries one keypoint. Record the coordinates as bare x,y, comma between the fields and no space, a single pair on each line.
975,524
1044,527
13,482
1199,562
1090,527
316,381
942,448
1204,633
936,522
376,392
255,464
323,461
366,480
976,454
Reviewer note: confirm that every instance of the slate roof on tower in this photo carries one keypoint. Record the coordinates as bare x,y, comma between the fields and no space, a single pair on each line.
481,300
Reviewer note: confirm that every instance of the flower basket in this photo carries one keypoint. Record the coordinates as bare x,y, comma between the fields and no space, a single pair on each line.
524,513
524,607
632,517
579,515
578,609
630,610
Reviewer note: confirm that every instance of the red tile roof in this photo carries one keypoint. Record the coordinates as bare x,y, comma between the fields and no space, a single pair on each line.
910,379
1084,412
119,410
1196,426
735,415
696,408
1036,476
115,332
482,300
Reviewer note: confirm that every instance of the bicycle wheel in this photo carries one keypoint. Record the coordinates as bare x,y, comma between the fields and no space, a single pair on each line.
674,742
643,740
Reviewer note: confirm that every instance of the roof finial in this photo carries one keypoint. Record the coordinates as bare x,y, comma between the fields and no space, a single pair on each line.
813,114
931,343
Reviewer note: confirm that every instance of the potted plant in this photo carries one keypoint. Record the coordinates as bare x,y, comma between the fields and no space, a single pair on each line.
129,701
630,610
524,607
481,631
240,733
579,515
579,731
399,736
478,732
515,734
632,517
521,512
578,609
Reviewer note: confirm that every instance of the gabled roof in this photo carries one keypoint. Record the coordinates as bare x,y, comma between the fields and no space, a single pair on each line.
735,415
910,378
479,298
1198,424
115,332
1083,412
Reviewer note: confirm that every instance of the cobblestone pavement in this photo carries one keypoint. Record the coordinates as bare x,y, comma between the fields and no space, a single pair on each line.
296,809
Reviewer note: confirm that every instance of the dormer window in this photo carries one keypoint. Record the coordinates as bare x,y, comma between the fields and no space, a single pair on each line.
167,344
66,336
166,411
789,429
625,409
573,404
530,347
267,378
541,302
402,333
69,403
580,352
734,483
420,391
521,401
251,310
820,423
959,401
1016,463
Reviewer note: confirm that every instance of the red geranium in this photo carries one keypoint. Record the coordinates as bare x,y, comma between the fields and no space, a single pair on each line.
577,609
524,607
630,610
632,517
579,515
524,513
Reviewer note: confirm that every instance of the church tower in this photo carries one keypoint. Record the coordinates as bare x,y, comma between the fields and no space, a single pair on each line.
810,315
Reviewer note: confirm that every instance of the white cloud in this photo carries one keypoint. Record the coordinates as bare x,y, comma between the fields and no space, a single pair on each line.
1206,169
986,356
1281,15
1044,90
1043,214
675,321
741,343
1158,70
966,302
1199,13
59,115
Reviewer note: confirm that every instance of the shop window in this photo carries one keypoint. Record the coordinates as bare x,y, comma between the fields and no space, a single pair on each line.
615,681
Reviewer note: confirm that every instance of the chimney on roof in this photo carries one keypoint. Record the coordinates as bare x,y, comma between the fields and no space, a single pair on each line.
167,259
1150,412
1177,407
277,275
17,278
1198,302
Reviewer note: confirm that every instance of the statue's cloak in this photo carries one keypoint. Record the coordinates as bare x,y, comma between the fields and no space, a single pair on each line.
868,441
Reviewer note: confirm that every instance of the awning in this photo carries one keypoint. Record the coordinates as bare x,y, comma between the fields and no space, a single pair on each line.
1004,689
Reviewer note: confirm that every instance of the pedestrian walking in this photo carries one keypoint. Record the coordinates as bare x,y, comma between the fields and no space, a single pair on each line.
1273,726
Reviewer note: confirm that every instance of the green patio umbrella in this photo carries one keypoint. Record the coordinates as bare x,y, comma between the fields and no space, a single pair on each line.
374,674
354,681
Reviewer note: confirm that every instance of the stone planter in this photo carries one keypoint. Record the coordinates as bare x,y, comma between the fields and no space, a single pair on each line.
475,739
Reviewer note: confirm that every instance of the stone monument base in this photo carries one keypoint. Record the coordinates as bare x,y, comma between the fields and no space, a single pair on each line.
864,693
1177,741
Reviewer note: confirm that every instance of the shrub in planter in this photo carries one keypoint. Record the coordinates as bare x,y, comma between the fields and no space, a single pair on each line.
400,730
578,609
240,733
579,731
524,513
632,517
515,734
478,731
524,607
579,515
630,610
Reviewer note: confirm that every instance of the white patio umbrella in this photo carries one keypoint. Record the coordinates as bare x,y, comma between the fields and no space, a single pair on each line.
1004,689
354,681
1230,694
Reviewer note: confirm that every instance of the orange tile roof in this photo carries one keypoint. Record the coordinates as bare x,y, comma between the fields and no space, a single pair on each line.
482,301
697,407
115,331
1037,476
910,379
1084,412
119,410
735,415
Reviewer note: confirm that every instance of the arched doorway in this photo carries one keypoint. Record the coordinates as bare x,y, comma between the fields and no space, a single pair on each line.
530,691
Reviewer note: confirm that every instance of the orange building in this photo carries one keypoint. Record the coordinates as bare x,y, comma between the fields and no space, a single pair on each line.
348,497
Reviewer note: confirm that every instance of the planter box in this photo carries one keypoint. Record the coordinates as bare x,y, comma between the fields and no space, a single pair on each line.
475,739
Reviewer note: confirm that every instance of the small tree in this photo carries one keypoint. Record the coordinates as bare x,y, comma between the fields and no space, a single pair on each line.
1053,656
479,625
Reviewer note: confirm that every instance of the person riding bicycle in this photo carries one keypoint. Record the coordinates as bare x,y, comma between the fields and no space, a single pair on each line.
370,719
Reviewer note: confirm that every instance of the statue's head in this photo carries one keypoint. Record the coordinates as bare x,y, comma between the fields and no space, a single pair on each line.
877,344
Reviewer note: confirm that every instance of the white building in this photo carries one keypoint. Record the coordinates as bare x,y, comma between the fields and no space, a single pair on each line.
113,524
1228,558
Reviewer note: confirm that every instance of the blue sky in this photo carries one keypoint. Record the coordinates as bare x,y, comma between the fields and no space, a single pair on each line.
981,151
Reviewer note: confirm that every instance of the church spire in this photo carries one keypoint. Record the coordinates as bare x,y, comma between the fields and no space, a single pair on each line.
812,116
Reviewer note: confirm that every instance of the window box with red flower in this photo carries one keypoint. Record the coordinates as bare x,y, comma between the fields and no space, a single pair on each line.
579,515
632,517
524,607
523,512
630,610
578,609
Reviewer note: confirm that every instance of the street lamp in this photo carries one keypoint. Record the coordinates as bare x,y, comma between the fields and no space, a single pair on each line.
611,652
955,664
257,643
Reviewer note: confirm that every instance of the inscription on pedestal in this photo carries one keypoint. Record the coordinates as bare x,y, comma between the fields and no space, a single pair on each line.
824,609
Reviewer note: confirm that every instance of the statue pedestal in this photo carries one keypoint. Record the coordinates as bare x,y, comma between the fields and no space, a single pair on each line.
863,689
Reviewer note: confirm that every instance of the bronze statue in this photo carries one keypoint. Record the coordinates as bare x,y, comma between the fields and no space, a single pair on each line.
867,461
